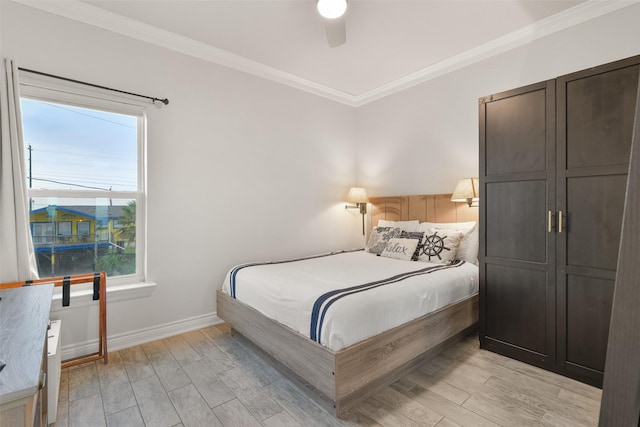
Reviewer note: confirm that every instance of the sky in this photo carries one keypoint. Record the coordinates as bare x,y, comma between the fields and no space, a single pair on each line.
79,149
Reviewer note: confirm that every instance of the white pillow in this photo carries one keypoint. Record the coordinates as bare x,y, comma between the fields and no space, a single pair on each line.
400,249
440,245
460,226
468,249
405,225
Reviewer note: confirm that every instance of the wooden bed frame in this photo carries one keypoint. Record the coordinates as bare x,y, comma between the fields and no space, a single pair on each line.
348,376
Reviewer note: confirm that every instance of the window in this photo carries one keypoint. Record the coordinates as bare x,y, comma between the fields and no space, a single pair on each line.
85,179
42,233
84,228
64,228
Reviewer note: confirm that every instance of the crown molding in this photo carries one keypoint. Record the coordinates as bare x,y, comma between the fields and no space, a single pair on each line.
92,15
576,15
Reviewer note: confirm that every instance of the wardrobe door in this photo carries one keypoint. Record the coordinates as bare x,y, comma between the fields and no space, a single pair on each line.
595,123
517,251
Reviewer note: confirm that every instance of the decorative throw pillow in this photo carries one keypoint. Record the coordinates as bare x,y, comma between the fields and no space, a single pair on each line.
418,235
379,238
400,249
440,246
468,249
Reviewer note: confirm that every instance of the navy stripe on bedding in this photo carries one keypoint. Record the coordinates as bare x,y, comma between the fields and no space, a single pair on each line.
325,301
236,269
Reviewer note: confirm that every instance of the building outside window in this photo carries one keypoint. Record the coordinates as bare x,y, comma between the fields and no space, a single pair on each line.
85,173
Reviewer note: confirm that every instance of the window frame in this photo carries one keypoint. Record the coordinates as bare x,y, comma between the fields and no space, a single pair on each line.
47,89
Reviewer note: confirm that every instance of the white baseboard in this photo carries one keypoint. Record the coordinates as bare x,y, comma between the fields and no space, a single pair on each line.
141,336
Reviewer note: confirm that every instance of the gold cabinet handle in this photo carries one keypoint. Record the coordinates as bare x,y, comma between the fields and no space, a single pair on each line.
549,223
559,221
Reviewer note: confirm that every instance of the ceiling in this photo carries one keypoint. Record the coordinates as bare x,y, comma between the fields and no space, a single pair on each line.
391,44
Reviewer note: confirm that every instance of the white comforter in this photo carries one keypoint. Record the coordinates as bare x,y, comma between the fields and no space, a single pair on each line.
287,292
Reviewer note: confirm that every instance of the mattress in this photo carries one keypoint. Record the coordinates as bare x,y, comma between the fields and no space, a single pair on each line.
340,299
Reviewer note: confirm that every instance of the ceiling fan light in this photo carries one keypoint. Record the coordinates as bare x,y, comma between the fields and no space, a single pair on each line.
331,9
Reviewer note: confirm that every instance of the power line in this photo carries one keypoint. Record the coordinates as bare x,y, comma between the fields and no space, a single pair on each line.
88,115
68,183
87,179
89,152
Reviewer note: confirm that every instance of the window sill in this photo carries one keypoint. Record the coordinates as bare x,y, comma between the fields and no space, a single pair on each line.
84,297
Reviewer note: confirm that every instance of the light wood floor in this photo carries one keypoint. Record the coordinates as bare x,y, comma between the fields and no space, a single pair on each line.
208,378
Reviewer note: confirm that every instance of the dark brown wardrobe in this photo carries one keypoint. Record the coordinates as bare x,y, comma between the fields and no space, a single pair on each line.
553,168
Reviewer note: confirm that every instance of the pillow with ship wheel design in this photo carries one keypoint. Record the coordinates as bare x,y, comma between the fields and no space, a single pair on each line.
439,245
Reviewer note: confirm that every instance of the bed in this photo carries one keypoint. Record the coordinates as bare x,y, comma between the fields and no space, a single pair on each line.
347,365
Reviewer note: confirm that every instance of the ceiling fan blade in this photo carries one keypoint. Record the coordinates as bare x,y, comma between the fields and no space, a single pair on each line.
336,31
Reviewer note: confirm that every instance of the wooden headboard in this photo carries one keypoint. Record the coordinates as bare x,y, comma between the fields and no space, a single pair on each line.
431,208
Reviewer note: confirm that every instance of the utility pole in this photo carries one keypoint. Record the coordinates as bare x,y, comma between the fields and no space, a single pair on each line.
52,212
30,180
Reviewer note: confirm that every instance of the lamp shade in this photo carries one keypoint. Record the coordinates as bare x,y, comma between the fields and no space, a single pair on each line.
331,9
466,191
357,195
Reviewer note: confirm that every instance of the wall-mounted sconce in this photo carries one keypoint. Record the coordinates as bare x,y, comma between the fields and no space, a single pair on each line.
359,197
467,192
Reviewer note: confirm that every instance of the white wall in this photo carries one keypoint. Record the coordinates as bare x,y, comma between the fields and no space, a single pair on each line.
422,140
239,168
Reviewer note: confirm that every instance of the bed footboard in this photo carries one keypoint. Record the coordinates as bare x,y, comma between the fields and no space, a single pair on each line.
348,376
